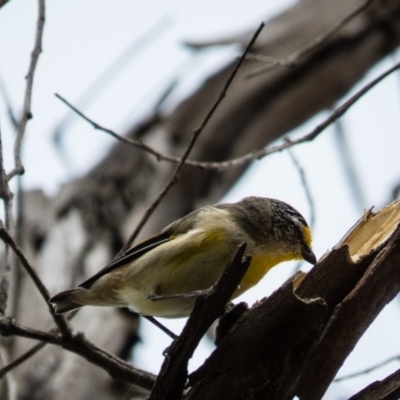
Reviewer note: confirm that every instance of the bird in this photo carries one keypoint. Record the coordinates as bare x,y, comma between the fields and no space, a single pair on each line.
190,254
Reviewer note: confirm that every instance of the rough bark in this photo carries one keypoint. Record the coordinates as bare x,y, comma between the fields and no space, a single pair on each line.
294,342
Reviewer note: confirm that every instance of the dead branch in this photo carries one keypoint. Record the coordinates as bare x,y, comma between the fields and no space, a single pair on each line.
77,343
172,378
367,370
175,175
26,112
303,332
254,155
296,56
58,319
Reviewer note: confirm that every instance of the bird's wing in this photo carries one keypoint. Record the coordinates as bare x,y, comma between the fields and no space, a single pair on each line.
176,228
130,255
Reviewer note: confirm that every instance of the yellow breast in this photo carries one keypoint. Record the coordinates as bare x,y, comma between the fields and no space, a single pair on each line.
259,266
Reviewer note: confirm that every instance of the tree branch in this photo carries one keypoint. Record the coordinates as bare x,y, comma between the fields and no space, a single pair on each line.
172,378
6,196
22,358
78,344
343,331
27,113
254,155
295,57
60,320
367,370
196,134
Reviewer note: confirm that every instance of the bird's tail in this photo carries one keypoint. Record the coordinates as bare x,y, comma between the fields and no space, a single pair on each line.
66,301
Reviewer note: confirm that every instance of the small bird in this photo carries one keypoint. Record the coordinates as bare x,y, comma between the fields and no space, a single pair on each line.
190,255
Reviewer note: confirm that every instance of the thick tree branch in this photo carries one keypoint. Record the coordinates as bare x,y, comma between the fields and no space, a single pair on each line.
294,333
172,378
377,287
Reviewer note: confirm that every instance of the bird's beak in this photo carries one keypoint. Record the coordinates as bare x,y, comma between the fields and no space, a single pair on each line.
308,255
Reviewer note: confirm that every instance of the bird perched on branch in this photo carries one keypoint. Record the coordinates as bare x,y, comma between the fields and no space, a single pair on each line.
190,255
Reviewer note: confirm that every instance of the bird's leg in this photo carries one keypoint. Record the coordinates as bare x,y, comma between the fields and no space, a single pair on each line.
161,326
195,293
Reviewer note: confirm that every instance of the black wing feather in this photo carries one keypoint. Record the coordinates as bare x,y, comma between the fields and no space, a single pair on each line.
130,255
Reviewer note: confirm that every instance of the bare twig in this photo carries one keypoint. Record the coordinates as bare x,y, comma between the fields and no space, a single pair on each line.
8,327
196,134
350,170
19,360
293,59
33,350
6,196
368,370
136,143
255,155
78,344
27,113
20,236
60,320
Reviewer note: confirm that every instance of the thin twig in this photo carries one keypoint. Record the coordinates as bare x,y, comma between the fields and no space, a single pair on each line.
136,143
20,236
6,196
255,155
175,175
78,344
293,59
60,320
27,113
32,351
368,370
22,358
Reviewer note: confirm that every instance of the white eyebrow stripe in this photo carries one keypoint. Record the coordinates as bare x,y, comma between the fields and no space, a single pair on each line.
296,216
